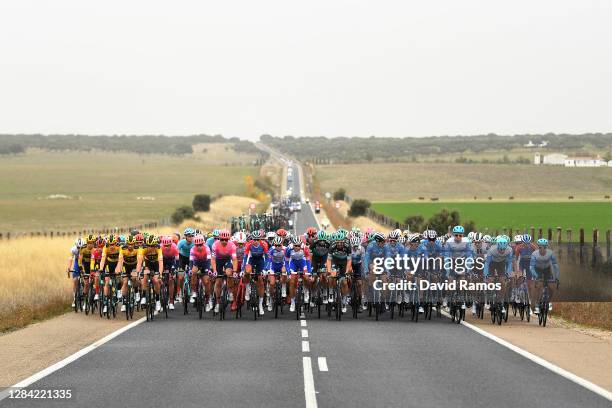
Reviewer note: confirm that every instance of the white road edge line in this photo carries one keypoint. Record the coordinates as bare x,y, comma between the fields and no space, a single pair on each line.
539,360
60,364
303,323
305,346
309,390
304,333
322,364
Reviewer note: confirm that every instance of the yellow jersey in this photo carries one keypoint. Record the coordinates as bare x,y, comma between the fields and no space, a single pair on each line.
152,254
130,256
111,254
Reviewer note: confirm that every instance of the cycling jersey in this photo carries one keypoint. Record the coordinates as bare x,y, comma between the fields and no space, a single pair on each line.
340,255
320,248
210,241
199,256
498,261
373,251
226,252
357,255
414,253
455,250
184,247
431,249
295,260
276,259
255,253
86,261
522,253
130,257
75,261
151,254
540,263
111,254
170,255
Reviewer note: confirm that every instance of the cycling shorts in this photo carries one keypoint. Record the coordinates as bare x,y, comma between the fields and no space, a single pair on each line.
169,263
296,266
318,263
223,264
153,266
277,268
258,264
110,269
183,262
543,272
357,272
498,268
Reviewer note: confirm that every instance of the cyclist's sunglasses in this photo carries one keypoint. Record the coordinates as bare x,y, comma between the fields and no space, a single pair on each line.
199,244
223,240
189,236
458,235
278,245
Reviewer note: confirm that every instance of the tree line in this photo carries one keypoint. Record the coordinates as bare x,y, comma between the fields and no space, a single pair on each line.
147,144
323,150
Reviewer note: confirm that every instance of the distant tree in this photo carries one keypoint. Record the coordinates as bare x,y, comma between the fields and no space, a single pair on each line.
442,220
201,202
339,194
181,214
415,222
359,207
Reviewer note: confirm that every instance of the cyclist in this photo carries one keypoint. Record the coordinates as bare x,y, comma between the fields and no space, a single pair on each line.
375,253
184,247
213,238
295,262
542,261
357,257
499,262
319,251
457,252
170,256
97,257
128,260
338,263
108,264
415,250
522,257
73,263
276,269
200,260
152,261
255,253
86,262
224,262
479,251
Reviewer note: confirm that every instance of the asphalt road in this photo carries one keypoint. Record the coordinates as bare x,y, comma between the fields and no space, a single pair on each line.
185,362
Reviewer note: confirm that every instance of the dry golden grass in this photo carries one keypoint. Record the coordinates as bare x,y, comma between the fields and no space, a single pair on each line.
593,314
33,280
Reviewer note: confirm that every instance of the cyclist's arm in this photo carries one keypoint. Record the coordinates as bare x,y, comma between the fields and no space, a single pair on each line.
103,259
509,264
532,263
140,259
119,262
486,265
555,266
160,260
80,260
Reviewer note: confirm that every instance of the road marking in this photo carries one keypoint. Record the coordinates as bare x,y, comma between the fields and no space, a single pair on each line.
53,368
539,360
322,364
304,333
309,391
305,347
303,323
302,316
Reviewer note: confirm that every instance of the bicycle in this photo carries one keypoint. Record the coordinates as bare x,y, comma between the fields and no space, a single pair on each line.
253,297
164,294
150,298
497,305
278,296
78,294
544,302
355,297
129,298
186,292
299,295
223,298
200,299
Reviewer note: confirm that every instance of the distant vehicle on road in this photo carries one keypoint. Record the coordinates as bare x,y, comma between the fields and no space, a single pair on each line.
317,207
298,206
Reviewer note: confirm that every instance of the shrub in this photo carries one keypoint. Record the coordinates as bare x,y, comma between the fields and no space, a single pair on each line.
201,202
339,194
358,207
415,222
181,214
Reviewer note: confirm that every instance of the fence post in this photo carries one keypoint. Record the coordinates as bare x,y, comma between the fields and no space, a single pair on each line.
533,233
607,244
550,235
595,247
540,232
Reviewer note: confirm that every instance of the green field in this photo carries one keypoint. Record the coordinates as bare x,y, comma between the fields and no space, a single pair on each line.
461,182
105,187
520,215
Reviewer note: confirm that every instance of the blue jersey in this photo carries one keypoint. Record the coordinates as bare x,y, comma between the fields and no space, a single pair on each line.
184,247
373,251
431,249
494,255
276,259
209,242
295,260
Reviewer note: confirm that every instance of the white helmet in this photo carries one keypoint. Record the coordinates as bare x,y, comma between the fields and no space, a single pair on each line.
80,242
518,239
240,237
487,239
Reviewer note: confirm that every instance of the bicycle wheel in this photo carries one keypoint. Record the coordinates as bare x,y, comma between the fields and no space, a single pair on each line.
200,299
499,316
416,314
298,302
544,313
338,303
223,302
506,314
528,312
185,296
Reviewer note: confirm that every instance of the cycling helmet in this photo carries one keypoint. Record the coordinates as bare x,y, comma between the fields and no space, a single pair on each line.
240,237
152,240
198,240
542,242
130,240
518,239
379,237
271,235
80,242
470,235
355,241
281,232
277,241
189,231
502,242
91,238
440,240
321,235
405,232
414,239
458,229
402,240
311,231
100,242
430,234
139,238
122,239
487,239
296,241
526,238
166,241
395,234
223,234
256,234
477,237
216,233
112,240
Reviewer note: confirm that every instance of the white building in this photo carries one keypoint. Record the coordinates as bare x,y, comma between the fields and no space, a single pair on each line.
557,159
530,144
585,161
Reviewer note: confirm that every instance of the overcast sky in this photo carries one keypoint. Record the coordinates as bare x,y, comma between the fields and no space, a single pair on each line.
330,67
